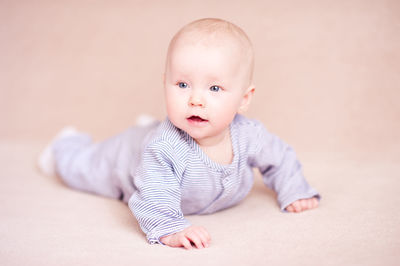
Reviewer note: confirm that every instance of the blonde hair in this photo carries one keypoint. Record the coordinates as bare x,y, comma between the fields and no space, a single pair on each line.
202,30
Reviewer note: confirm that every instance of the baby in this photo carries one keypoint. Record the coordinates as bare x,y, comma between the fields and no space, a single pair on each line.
198,160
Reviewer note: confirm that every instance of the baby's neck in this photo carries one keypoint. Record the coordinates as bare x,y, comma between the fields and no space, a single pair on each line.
219,150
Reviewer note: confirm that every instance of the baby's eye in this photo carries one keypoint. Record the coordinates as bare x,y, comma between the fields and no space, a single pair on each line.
182,85
215,88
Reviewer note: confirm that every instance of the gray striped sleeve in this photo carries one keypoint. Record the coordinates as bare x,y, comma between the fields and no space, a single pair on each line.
281,170
156,203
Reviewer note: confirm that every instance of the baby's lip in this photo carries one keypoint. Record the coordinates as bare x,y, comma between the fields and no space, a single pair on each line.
197,118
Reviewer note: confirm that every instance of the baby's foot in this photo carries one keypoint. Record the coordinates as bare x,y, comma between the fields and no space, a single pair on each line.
46,160
144,120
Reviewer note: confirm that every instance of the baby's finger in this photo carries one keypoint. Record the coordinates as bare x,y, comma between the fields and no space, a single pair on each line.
304,204
185,242
309,204
297,206
290,208
206,234
203,237
194,237
315,202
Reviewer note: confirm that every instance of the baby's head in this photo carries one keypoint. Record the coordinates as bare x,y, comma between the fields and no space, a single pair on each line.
208,78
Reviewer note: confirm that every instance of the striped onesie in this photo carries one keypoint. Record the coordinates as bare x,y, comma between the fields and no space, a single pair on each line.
162,173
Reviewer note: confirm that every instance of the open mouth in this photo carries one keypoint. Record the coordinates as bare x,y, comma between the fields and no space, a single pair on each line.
195,118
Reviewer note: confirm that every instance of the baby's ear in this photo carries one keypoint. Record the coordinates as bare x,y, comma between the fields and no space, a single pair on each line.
244,105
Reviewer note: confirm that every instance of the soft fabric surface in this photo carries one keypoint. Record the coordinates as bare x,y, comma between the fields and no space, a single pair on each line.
327,78
45,223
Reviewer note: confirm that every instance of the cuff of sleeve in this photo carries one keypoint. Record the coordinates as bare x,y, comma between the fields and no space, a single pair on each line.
285,202
170,228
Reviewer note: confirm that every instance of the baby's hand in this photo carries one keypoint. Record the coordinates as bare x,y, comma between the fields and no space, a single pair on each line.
302,205
195,234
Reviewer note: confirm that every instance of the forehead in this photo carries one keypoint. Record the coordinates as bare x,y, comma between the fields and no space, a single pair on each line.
188,57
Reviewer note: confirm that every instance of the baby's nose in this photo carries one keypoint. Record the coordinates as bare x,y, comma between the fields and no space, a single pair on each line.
196,99
195,102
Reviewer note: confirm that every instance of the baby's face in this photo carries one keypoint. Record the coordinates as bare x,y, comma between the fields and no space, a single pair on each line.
205,86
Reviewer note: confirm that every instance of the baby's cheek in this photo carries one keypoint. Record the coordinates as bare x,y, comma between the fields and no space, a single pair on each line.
174,104
228,112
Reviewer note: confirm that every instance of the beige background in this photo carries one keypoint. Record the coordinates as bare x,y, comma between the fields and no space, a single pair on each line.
328,82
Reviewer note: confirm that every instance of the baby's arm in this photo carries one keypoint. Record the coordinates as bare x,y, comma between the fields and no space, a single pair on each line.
282,172
156,202
303,205
192,234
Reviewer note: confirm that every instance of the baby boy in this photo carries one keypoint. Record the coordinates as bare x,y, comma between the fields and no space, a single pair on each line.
198,160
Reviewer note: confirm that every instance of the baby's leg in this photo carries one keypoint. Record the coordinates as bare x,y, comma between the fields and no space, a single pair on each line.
89,166
102,168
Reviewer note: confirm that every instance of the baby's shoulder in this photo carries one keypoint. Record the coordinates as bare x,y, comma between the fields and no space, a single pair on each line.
167,138
248,126
250,133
